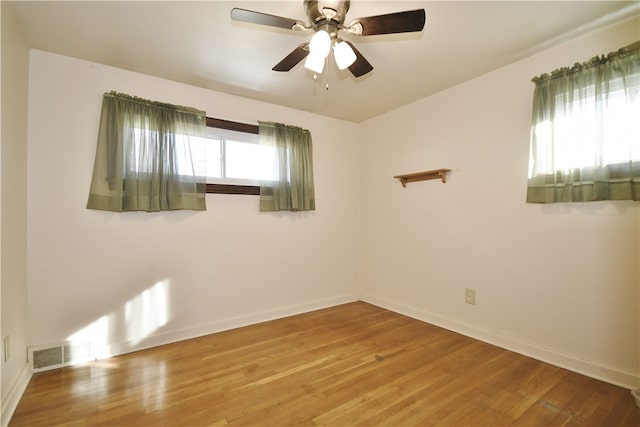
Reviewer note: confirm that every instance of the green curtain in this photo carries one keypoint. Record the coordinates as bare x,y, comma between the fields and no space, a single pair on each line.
146,158
585,134
292,189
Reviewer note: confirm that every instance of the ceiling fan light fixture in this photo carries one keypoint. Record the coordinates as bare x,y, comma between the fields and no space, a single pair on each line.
320,44
343,54
314,63
326,18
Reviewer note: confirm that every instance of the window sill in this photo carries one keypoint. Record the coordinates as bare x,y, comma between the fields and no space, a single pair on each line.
253,190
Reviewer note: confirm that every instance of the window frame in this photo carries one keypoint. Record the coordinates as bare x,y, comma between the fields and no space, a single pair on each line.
252,190
565,169
583,133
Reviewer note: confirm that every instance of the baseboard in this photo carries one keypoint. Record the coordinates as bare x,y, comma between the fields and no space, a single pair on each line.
570,362
15,394
115,349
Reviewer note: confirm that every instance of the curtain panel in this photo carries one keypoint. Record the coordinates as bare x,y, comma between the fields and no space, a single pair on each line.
293,188
585,134
145,160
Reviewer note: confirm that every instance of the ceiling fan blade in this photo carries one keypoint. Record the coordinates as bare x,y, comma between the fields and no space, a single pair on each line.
293,58
361,66
399,22
252,17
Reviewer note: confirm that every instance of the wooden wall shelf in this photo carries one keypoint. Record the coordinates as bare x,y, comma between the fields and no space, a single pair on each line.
423,176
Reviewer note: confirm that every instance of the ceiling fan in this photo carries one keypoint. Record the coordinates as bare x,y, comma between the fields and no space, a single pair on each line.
326,19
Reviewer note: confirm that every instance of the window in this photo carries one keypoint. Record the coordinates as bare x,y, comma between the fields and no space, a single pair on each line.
589,133
235,162
236,158
585,135
232,160
277,164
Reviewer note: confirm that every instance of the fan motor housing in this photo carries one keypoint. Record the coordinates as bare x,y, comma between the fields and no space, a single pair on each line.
313,8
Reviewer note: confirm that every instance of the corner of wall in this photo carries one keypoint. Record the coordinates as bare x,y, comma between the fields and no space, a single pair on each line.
567,361
636,393
14,72
10,403
1,26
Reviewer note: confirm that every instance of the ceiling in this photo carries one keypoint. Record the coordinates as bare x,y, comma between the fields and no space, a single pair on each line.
198,44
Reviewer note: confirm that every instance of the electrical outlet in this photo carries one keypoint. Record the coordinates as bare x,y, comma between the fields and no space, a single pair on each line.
470,296
6,348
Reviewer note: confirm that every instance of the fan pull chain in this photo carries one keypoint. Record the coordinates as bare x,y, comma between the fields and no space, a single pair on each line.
315,78
326,67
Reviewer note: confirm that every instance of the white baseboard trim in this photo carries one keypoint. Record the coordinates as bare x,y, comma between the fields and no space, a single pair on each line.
572,363
548,355
115,349
10,404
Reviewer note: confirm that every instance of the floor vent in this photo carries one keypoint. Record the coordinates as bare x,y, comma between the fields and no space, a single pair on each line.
47,357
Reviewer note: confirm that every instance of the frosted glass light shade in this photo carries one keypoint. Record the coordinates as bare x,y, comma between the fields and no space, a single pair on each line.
344,55
320,44
314,63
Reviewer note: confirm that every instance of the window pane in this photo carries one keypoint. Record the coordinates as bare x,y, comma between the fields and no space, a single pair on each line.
213,158
587,133
249,161
621,129
190,155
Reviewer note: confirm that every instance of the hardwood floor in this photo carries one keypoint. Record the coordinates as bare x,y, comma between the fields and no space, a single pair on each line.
354,364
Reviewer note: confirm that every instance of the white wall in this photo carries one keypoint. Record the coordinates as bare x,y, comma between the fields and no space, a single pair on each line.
123,274
15,66
558,282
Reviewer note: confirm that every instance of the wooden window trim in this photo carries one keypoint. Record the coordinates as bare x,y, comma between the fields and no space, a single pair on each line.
229,125
252,190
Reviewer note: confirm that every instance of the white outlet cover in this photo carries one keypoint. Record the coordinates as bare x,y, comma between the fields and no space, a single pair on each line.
470,296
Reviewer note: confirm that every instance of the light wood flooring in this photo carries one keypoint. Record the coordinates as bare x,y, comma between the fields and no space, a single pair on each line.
355,364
